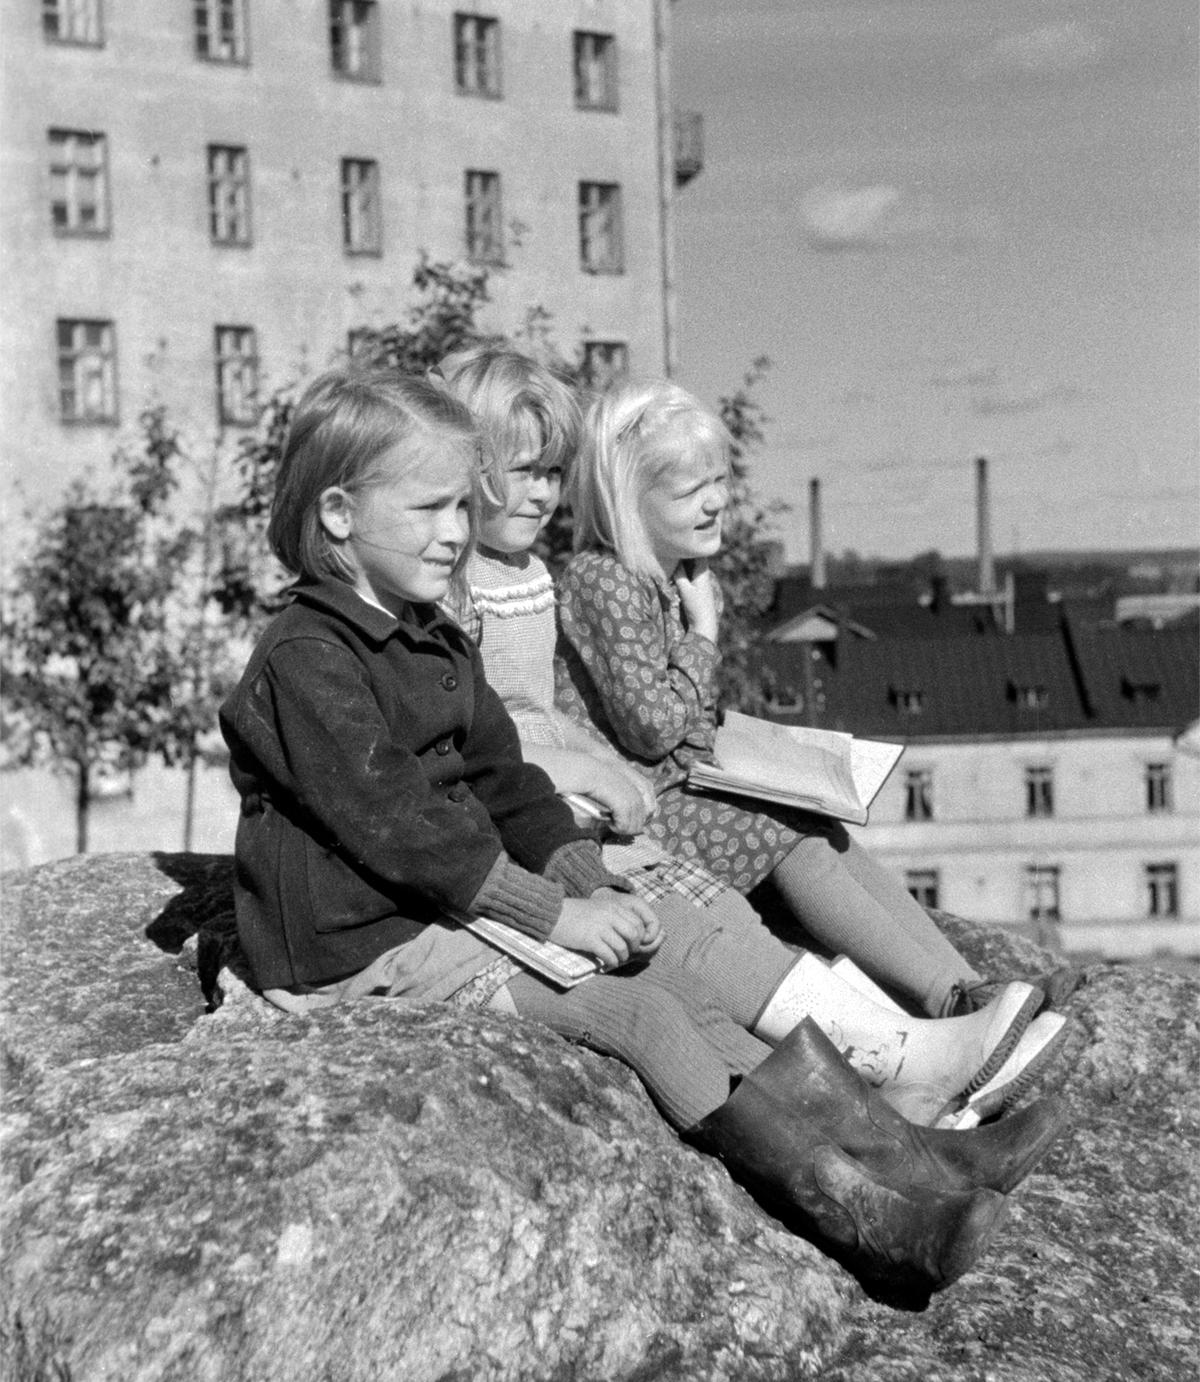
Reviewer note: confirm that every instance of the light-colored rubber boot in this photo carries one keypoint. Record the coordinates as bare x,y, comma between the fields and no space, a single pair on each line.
845,968
925,1062
1040,1043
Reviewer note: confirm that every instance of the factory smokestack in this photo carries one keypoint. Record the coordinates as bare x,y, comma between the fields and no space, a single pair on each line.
816,550
983,529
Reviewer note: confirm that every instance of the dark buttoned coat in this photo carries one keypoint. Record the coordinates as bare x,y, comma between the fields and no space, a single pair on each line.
380,778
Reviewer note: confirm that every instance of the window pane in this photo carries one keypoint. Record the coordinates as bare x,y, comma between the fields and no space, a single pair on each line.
78,182
86,370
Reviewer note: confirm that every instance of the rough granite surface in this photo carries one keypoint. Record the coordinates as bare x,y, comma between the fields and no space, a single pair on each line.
387,1192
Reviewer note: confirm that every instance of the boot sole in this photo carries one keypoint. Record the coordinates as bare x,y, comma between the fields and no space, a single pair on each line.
1037,1046
1023,1014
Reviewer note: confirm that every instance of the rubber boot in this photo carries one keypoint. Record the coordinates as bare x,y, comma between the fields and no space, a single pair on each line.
901,1236
997,1157
924,1062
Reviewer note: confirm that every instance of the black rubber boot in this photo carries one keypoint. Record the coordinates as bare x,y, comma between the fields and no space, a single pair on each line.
861,1122
903,1237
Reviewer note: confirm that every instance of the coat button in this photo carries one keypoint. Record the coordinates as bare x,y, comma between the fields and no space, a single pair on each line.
459,792
442,747
450,682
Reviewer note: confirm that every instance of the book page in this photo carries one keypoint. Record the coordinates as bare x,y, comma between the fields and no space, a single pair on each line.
871,761
813,764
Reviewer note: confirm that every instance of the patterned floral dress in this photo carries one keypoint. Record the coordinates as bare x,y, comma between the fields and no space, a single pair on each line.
626,664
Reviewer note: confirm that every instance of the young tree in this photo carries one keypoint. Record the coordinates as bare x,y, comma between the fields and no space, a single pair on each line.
87,686
745,566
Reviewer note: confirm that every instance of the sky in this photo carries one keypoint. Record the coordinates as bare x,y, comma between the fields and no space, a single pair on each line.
957,228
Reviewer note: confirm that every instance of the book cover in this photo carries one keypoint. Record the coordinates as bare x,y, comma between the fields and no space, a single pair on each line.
561,966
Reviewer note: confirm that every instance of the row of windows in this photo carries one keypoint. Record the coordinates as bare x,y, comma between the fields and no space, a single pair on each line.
1043,890
79,203
87,370
1039,791
221,33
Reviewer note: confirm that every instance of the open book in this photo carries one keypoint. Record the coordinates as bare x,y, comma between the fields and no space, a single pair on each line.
561,966
818,770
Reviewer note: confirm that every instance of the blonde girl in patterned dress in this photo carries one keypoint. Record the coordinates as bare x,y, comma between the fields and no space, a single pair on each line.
530,425
639,608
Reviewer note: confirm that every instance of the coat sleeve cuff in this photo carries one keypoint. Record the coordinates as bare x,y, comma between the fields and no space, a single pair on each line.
524,900
579,867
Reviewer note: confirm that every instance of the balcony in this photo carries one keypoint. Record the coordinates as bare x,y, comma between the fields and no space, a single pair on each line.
689,146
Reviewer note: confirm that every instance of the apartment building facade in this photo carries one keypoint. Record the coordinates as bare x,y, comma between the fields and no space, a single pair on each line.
205,198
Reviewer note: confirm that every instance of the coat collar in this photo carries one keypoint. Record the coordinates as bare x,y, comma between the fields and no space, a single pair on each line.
338,598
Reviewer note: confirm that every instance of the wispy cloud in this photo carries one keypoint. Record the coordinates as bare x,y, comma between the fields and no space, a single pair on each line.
1029,400
1051,50
968,374
847,218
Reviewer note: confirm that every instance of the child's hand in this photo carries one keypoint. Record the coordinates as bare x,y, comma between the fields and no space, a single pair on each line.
697,588
610,925
627,794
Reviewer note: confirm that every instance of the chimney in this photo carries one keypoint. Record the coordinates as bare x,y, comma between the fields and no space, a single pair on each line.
983,529
816,552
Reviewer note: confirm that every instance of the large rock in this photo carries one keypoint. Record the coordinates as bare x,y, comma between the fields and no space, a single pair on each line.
203,1193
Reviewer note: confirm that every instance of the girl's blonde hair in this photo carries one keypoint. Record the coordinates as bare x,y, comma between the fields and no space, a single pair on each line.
343,423
516,402
634,435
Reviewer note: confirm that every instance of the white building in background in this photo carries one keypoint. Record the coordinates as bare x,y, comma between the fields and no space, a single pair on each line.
1090,841
1051,778
204,198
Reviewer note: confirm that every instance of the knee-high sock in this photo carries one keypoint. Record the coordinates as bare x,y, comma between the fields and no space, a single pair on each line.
674,1035
840,912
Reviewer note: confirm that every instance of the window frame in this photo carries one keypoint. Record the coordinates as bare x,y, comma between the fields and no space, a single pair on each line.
71,172
1039,791
219,181
68,358
370,69
372,218
609,100
1160,787
478,55
1162,890
492,252
215,9
918,795
608,207
247,414
94,18
924,886
1043,880
600,379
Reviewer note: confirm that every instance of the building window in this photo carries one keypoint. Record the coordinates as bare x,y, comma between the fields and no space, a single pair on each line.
78,182
361,343
485,231
604,362
1158,787
923,884
228,194
237,375
1042,892
918,794
1028,697
73,21
354,39
477,55
221,30
595,68
1039,791
362,224
601,247
87,371
1162,890
908,700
